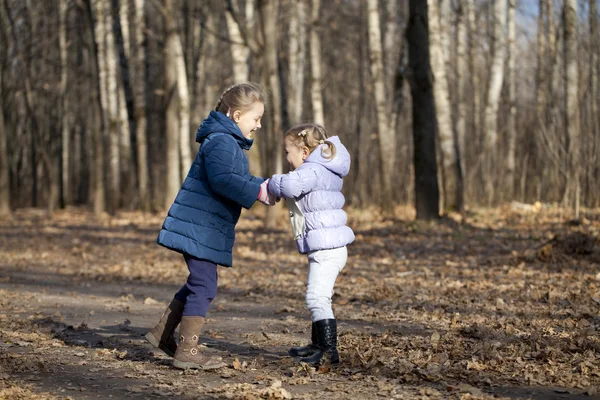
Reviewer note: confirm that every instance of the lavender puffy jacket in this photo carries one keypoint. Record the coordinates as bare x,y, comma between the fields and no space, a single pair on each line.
316,190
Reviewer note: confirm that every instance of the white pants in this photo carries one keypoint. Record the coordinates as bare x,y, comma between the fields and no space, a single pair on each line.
323,269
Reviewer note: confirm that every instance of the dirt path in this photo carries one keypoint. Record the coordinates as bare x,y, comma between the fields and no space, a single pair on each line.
425,311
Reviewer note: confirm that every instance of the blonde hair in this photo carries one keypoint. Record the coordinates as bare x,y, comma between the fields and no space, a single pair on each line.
240,97
311,136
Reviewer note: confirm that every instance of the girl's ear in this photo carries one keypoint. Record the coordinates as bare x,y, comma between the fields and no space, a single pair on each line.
305,153
236,116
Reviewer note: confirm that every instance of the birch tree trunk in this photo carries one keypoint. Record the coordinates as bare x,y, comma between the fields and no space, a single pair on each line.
96,20
139,83
493,99
387,139
541,66
473,71
269,14
243,40
461,83
571,103
172,117
297,49
65,117
239,51
184,107
126,112
423,109
4,165
316,90
594,54
452,186
113,121
512,117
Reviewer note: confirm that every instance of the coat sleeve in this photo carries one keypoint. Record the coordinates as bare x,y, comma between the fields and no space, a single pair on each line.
293,184
220,163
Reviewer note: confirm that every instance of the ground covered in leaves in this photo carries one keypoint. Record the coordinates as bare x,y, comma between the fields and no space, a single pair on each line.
500,303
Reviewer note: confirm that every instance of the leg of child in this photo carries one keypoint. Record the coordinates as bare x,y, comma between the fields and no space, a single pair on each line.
201,287
323,269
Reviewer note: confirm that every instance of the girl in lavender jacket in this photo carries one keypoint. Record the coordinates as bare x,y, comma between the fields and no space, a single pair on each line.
314,197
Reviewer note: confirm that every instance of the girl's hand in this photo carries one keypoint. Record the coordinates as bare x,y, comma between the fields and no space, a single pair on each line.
264,196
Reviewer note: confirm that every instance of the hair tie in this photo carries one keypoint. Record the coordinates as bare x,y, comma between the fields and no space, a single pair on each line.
302,132
228,112
321,141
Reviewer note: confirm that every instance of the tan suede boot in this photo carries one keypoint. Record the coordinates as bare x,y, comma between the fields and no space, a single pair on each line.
161,336
188,355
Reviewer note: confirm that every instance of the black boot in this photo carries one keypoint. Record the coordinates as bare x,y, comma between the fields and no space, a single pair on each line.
327,339
306,351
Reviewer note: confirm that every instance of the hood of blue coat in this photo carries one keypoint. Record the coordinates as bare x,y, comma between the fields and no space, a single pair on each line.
219,122
340,164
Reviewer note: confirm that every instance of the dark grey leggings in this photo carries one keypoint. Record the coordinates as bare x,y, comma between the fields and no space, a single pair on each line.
200,288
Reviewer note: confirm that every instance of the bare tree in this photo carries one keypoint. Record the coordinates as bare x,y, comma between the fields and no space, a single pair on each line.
173,177
297,50
239,50
493,98
65,112
316,90
4,165
461,33
452,188
112,107
386,134
426,186
571,103
594,68
269,17
139,84
512,116
96,122
475,81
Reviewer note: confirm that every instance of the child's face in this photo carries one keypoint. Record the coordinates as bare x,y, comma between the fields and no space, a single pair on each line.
249,121
295,155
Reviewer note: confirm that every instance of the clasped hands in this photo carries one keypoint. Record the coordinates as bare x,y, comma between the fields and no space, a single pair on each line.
265,197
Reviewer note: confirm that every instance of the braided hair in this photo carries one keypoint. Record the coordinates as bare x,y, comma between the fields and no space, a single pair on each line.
311,136
240,97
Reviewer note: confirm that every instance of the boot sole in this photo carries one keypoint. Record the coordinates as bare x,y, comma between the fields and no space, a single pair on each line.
189,365
150,338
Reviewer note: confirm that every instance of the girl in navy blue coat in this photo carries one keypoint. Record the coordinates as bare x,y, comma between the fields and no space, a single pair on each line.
201,222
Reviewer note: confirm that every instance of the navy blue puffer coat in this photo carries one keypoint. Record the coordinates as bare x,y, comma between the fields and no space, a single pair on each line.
202,219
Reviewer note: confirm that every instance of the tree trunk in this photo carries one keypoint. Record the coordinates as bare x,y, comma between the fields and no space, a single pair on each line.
297,49
140,106
593,107
571,102
184,107
239,51
172,117
4,165
426,186
452,188
65,112
126,111
97,124
269,14
114,126
461,87
474,81
386,135
316,90
493,100
512,100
